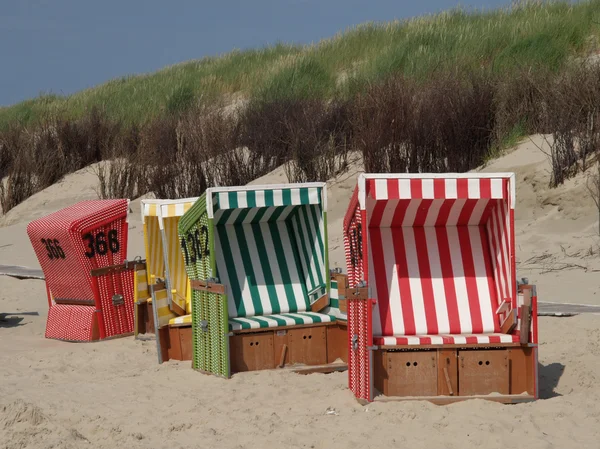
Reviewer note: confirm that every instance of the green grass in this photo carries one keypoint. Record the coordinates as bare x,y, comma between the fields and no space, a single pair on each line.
534,34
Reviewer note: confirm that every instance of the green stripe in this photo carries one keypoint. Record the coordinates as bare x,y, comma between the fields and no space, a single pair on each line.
233,200
296,319
266,267
251,198
286,195
301,236
315,255
283,266
296,254
304,197
269,198
247,262
230,266
317,221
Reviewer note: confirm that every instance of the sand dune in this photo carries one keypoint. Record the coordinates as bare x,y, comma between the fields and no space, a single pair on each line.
114,394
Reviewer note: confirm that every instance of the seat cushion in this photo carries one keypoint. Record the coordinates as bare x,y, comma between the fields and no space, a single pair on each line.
279,320
449,339
185,320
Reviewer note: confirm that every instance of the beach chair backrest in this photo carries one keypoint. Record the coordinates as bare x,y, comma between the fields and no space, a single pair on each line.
155,262
438,250
270,249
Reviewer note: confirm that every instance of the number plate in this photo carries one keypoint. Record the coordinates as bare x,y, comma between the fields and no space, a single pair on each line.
118,300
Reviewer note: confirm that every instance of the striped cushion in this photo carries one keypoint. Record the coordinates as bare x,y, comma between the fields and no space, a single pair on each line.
185,320
162,304
417,340
278,320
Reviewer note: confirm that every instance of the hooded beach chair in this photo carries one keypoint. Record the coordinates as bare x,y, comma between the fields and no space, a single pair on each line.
82,250
434,310
257,258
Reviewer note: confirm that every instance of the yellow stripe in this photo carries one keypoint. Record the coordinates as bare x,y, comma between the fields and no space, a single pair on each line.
177,273
181,320
164,313
155,265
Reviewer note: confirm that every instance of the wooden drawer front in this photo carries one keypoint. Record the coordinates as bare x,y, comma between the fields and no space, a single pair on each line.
483,372
411,373
308,346
251,352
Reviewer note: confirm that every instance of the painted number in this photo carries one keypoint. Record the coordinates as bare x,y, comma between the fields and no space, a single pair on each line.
54,249
192,245
101,243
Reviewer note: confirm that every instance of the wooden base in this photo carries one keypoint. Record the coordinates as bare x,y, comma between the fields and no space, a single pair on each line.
145,322
315,345
176,343
505,374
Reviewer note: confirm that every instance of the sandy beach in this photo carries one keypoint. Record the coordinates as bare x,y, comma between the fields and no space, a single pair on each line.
114,394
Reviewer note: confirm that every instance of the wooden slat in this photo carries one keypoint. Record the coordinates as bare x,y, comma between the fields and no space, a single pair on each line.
525,324
329,368
444,400
281,328
510,322
473,345
282,356
343,305
75,302
208,287
320,303
358,293
113,269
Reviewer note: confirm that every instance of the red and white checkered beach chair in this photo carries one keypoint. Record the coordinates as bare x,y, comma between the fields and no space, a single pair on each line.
433,305
82,250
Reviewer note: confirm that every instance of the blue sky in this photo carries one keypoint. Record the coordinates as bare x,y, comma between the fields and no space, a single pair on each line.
62,46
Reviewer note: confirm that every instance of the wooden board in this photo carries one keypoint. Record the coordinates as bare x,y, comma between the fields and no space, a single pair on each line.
522,370
280,338
308,345
185,338
337,343
252,352
445,400
411,373
174,344
482,372
447,372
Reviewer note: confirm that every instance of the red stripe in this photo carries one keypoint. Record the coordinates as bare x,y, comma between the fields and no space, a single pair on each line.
377,213
469,270
381,283
485,188
370,189
489,276
422,212
393,189
472,340
425,340
487,212
494,251
448,277
403,282
462,188
511,251
494,339
445,208
400,213
503,242
466,212
426,282
365,245
416,189
439,188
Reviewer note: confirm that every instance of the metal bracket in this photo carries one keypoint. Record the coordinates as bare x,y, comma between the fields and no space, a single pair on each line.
204,325
118,300
354,342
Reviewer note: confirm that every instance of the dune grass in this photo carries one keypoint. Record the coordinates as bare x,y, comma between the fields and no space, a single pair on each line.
531,34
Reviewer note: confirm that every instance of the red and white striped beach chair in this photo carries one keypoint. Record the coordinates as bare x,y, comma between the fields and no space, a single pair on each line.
82,250
434,311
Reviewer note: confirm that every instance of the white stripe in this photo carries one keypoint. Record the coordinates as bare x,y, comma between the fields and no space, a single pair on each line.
313,232
278,197
292,267
436,339
261,283
411,212
477,213
427,189
271,322
455,211
502,236
260,198
460,283
404,191
381,189
496,189
276,273
295,194
473,189
497,257
494,259
242,199
304,237
414,279
288,321
451,188
267,215
223,200
240,272
305,319
233,217
434,211
179,209
505,338
224,276
313,195
287,211
388,213
482,339
413,341
391,273
458,339
483,290
437,281
237,326
250,215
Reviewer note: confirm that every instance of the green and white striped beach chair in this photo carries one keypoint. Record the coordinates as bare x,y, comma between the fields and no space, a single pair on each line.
257,258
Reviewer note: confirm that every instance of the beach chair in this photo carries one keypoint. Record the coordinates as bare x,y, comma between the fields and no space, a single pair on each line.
82,250
171,295
257,258
434,311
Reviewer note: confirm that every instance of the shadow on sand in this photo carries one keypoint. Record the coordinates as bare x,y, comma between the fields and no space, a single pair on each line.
14,319
549,375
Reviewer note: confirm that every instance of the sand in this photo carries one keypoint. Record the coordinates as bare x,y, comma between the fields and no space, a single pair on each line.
114,394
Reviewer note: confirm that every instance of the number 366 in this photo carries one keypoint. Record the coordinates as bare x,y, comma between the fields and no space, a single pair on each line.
98,244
